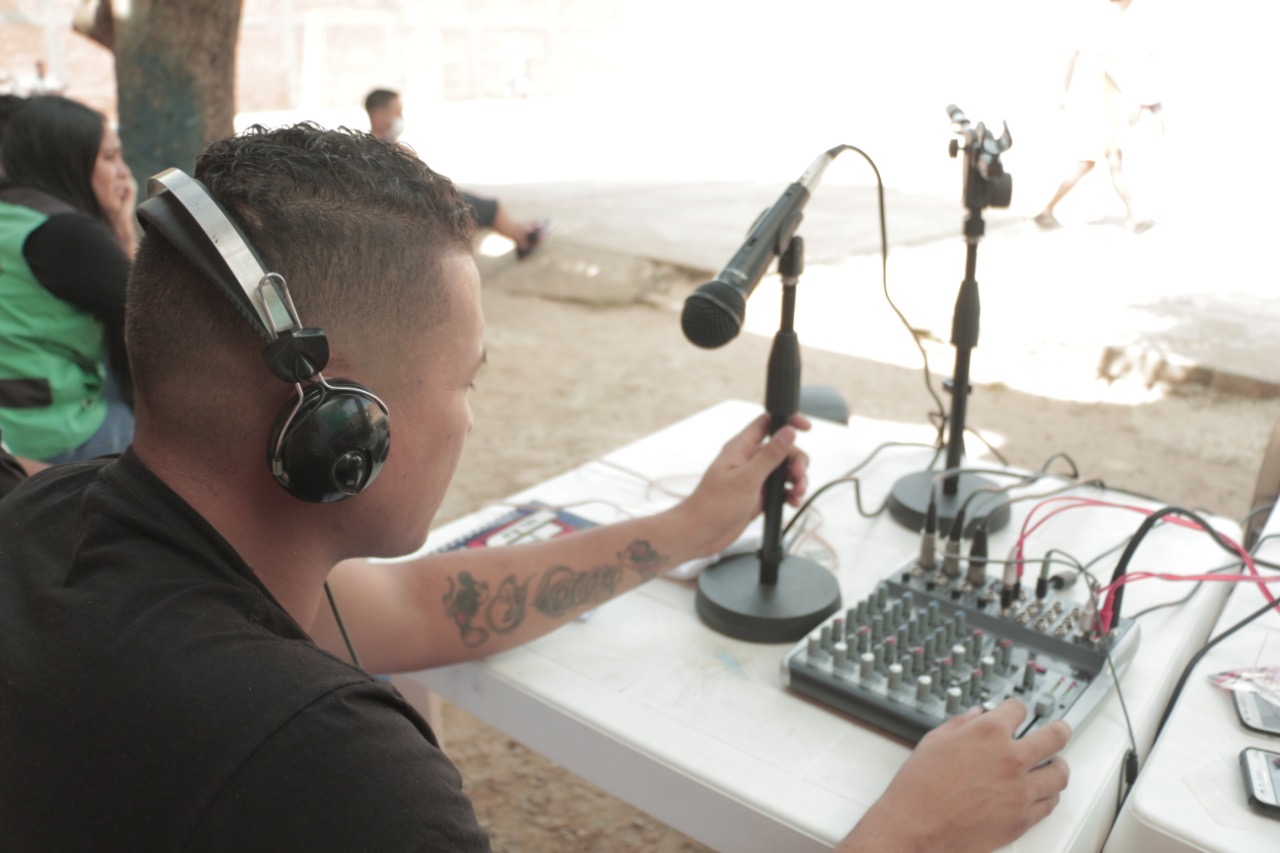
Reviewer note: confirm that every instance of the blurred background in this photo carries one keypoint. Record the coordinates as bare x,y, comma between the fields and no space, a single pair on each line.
548,90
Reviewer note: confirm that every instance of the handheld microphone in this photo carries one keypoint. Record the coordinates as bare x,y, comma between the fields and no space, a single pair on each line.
714,312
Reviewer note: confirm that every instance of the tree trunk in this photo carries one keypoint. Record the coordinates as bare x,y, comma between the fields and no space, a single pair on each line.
175,76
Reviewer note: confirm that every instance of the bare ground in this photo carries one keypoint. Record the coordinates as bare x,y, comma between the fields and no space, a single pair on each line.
569,381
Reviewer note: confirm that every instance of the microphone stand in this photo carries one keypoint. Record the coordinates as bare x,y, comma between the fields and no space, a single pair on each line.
770,596
968,495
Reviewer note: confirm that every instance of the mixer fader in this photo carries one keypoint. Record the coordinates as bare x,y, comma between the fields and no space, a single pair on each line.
923,648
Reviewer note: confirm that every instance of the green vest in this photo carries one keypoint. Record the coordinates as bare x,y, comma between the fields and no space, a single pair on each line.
51,371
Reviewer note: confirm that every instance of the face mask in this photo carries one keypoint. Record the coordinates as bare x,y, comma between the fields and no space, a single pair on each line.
397,128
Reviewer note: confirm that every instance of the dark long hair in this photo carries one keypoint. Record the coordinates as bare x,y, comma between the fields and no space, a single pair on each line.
51,144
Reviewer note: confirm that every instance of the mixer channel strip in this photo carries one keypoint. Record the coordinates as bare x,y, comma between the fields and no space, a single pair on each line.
915,653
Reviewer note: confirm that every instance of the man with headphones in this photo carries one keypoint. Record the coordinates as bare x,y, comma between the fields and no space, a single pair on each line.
170,676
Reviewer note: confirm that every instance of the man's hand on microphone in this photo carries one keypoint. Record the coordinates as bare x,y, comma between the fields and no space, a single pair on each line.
730,494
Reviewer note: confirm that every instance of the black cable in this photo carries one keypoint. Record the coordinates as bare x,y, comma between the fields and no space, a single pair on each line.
1058,581
1129,773
991,447
342,628
1194,589
1262,541
884,282
1088,567
1129,770
857,496
1258,561
1252,526
1023,480
1196,658
1261,509
1143,529
1200,655
848,477
872,455
1075,469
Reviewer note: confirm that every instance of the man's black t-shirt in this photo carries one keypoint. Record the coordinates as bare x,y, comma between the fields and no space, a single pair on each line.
11,473
154,696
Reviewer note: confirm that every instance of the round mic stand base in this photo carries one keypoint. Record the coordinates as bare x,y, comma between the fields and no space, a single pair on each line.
732,600
909,503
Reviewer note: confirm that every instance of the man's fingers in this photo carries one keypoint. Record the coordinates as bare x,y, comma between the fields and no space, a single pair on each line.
762,453
798,477
957,721
1045,742
750,437
1010,713
1039,810
1045,786
1049,779
753,434
772,453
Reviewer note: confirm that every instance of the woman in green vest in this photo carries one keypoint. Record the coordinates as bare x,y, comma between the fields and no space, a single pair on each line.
66,242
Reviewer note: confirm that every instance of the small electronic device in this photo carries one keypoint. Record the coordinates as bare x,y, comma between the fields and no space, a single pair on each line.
1257,712
925,647
1261,769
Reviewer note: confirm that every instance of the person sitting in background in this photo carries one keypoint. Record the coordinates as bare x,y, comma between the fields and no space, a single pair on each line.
66,242
386,121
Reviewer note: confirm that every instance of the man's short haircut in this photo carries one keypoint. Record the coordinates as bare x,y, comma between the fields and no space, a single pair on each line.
379,98
357,226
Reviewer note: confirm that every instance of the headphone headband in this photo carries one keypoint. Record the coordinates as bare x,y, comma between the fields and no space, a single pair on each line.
331,441
182,209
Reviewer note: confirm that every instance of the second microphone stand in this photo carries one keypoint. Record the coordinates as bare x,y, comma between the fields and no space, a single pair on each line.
771,596
918,499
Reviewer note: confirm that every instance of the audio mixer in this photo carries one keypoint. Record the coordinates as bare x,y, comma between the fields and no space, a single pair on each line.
925,646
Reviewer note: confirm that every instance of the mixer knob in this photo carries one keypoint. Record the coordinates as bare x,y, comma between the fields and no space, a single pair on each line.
988,669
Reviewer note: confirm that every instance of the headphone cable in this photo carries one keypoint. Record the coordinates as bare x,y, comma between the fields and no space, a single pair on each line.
342,628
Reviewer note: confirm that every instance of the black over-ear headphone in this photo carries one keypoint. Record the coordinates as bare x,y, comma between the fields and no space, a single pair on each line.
330,441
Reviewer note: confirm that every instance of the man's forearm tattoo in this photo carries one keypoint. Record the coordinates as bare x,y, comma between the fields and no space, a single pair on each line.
639,555
467,599
560,590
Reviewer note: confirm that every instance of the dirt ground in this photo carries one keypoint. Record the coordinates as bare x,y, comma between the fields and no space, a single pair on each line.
568,381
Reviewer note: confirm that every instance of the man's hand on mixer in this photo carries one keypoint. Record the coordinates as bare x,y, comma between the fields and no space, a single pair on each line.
968,786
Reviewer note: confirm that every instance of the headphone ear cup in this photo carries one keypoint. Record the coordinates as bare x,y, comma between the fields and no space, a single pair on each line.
332,444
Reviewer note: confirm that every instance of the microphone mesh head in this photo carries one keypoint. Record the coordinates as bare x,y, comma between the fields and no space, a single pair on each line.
713,314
